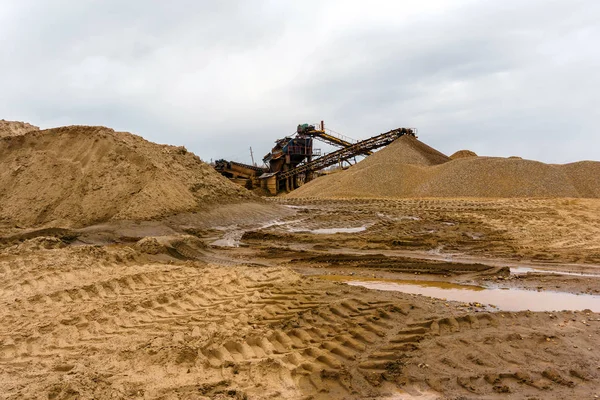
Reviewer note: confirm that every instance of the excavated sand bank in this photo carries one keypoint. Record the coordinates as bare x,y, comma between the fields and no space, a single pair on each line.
15,128
80,175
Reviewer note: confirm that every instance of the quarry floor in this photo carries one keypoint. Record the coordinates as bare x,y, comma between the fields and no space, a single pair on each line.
308,299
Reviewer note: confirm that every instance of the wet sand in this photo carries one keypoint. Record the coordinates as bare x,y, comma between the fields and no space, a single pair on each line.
161,311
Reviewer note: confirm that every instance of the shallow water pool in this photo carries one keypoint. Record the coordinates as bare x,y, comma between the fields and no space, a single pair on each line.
503,299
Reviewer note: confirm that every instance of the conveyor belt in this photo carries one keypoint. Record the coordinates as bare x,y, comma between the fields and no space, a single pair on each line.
334,140
348,152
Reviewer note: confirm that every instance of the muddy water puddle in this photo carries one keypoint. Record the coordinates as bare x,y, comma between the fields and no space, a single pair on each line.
328,231
234,233
526,270
230,239
502,299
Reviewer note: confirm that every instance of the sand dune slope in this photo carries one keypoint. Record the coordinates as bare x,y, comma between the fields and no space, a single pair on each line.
79,175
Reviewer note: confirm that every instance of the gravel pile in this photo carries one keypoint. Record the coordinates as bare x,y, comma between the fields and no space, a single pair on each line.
409,168
408,150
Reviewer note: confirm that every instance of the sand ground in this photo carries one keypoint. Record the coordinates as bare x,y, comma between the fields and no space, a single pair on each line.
113,312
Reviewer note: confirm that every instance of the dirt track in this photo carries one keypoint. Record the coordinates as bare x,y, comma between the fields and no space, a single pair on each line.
174,318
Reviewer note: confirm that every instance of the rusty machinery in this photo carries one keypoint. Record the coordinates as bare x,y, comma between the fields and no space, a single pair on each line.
293,160
243,174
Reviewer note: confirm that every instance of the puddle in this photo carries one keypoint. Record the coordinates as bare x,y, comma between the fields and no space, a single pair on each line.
409,218
229,239
329,231
233,233
278,223
503,299
325,231
438,252
526,270
403,218
425,284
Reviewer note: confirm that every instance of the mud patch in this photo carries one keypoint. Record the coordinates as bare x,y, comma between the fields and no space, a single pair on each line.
329,231
527,270
400,264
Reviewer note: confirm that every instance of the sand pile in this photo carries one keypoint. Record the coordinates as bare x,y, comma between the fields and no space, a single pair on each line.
79,175
463,154
409,150
408,168
14,128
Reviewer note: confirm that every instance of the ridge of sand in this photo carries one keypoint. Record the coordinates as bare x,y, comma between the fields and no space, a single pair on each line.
409,150
463,154
15,128
80,175
390,173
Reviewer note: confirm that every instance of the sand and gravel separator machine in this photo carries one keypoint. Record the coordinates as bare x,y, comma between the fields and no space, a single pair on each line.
294,160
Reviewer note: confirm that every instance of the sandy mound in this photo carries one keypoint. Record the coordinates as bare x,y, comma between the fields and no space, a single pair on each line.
501,177
408,150
14,128
80,175
463,154
389,173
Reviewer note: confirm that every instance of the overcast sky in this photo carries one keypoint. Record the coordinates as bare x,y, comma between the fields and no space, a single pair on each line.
502,77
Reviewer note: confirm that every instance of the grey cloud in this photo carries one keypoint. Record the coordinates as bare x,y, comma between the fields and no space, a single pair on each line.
500,78
488,79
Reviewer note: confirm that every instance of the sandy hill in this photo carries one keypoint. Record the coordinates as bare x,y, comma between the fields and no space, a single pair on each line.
79,175
408,168
14,128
